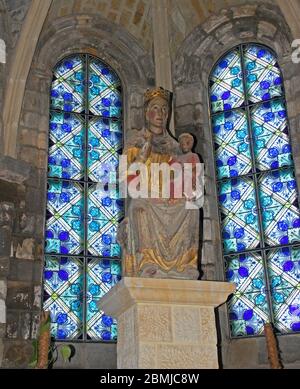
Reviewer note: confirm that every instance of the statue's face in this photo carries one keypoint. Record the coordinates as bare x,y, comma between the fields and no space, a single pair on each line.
186,144
157,115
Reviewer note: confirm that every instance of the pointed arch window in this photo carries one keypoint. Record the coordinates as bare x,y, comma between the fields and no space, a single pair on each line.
257,190
82,256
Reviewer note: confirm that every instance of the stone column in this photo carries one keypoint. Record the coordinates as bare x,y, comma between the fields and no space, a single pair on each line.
162,58
166,323
6,223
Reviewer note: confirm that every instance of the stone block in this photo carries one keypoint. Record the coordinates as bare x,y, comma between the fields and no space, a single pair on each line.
37,297
3,289
19,295
26,223
29,137
17,354
266,29
147,355
12,325
154,323
186,357
186,324
25,325
1,352
241,354
25,250
2,311
4,267
30,120
29,154
207,229
2,331
5,241
6,211
35,323
13,172
214,21
42,141
21,270
184,115
224,33
184,95
244,11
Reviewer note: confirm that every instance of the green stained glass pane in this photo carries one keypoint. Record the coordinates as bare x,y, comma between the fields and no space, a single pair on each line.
102,275
66,146
279,205
67,90
272,148
104,148
226,85
232,148
104,90
105,211
64,225
245,317
286,308
263,76
247,273
63,288
239,215
284,274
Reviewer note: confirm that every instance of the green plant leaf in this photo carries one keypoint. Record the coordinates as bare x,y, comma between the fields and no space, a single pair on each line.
45,327
66,352
34,357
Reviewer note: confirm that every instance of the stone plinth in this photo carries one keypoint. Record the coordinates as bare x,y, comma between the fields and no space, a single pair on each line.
166,323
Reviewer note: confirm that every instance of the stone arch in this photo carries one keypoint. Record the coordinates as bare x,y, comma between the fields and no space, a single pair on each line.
19,71
72,34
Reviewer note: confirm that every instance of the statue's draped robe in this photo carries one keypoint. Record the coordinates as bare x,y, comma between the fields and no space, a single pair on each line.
161,235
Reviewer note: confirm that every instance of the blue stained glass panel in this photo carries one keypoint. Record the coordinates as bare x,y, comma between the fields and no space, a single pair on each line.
247,273
67,91
105,211
64,225
104,90
245,318
232,151
286,307
272,148
83,205
104,148
239,215
284,274
226,89
102,275
66,148
251,139
263,79
63,286
280,210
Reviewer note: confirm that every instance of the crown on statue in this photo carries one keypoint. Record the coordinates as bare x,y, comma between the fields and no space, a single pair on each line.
156,92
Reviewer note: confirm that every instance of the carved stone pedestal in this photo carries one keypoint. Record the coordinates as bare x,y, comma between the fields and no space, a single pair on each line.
166,323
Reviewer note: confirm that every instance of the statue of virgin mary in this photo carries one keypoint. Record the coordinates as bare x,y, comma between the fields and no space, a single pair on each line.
159,236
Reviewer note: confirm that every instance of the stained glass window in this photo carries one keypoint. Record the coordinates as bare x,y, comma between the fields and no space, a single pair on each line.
257,191
82,256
